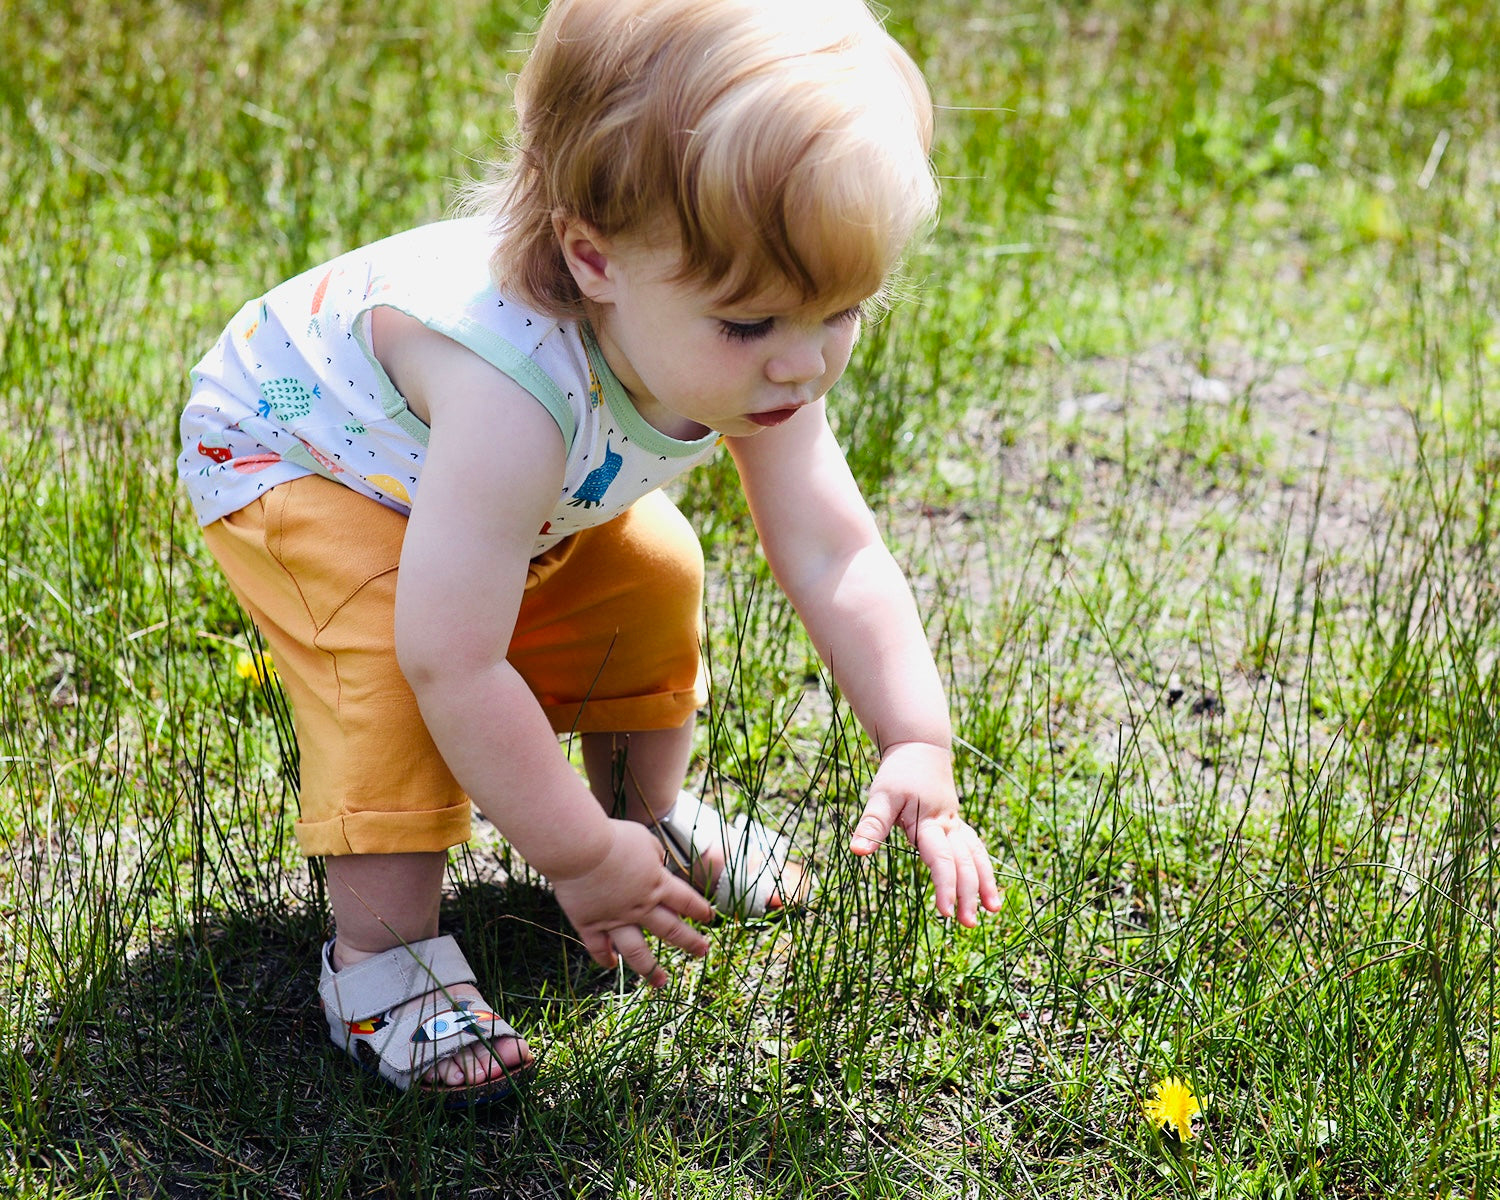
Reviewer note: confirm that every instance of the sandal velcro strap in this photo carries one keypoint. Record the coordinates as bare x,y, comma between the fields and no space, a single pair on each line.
372,986
357,1002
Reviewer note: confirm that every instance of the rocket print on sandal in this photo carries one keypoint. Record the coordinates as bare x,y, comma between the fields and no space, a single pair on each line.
461,1018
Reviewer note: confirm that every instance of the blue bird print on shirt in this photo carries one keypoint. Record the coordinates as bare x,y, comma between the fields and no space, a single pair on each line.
591,491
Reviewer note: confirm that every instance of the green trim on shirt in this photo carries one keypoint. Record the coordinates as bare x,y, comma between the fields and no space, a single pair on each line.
494,349
636,427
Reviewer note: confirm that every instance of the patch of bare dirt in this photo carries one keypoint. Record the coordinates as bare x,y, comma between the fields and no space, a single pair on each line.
1160,542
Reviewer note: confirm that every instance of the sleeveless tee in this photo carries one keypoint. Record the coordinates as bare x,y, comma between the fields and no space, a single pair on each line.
292,388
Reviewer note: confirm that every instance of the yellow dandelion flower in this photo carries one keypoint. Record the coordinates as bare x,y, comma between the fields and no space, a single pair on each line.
256,668
1173,1104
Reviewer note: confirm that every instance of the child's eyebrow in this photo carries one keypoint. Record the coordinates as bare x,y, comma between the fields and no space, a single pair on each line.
748,311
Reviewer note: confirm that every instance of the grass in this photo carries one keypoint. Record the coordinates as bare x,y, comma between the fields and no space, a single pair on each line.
1187,438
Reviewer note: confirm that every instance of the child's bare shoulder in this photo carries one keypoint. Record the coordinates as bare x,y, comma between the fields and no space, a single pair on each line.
438,377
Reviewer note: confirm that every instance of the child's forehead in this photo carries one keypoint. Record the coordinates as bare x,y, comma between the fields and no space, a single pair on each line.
767,294
757,290
781,299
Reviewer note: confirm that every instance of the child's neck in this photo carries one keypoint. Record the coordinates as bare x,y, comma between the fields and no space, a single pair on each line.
656,415
665,421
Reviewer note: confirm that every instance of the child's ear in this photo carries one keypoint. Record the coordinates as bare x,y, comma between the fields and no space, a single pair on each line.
588,255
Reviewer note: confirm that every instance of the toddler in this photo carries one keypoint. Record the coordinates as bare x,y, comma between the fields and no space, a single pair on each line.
430,470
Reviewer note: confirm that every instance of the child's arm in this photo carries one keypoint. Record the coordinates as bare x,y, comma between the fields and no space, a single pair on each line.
829,558
493,472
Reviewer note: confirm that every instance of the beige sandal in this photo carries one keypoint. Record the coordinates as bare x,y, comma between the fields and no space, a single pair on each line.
358,999
693,828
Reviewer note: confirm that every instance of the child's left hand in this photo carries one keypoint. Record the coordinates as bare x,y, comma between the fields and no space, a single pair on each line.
914,789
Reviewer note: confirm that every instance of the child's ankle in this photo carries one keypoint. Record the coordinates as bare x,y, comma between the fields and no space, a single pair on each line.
344,955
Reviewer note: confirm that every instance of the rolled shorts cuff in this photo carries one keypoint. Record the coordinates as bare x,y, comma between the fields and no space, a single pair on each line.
387,832
665,710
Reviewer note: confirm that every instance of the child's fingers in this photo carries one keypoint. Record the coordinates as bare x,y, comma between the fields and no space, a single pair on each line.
667,925
684,900
968,884
989,887
633,948
875,823
599,948
987,891
963,877
978,871
936,849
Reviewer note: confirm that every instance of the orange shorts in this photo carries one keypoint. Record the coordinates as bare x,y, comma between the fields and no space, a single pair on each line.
607,639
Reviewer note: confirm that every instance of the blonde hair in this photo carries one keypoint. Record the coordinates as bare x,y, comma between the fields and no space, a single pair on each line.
786,140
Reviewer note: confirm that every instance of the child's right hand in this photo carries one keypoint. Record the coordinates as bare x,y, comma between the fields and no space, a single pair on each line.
628,893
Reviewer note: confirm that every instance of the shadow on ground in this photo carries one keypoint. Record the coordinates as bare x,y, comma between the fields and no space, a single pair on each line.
201,1067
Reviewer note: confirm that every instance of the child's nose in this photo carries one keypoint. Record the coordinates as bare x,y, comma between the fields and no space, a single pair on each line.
801,361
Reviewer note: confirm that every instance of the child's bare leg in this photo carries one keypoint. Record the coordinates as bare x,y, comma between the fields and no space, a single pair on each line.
649,767
381,901
654,763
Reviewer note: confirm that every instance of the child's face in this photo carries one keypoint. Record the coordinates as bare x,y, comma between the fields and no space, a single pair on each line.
691,363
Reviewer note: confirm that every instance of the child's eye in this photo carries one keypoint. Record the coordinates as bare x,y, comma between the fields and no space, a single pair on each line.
746,331
750,331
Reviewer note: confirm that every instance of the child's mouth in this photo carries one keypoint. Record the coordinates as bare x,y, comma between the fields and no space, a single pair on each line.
775,417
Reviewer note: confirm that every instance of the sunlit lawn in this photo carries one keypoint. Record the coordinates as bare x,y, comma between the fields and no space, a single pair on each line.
1185,433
